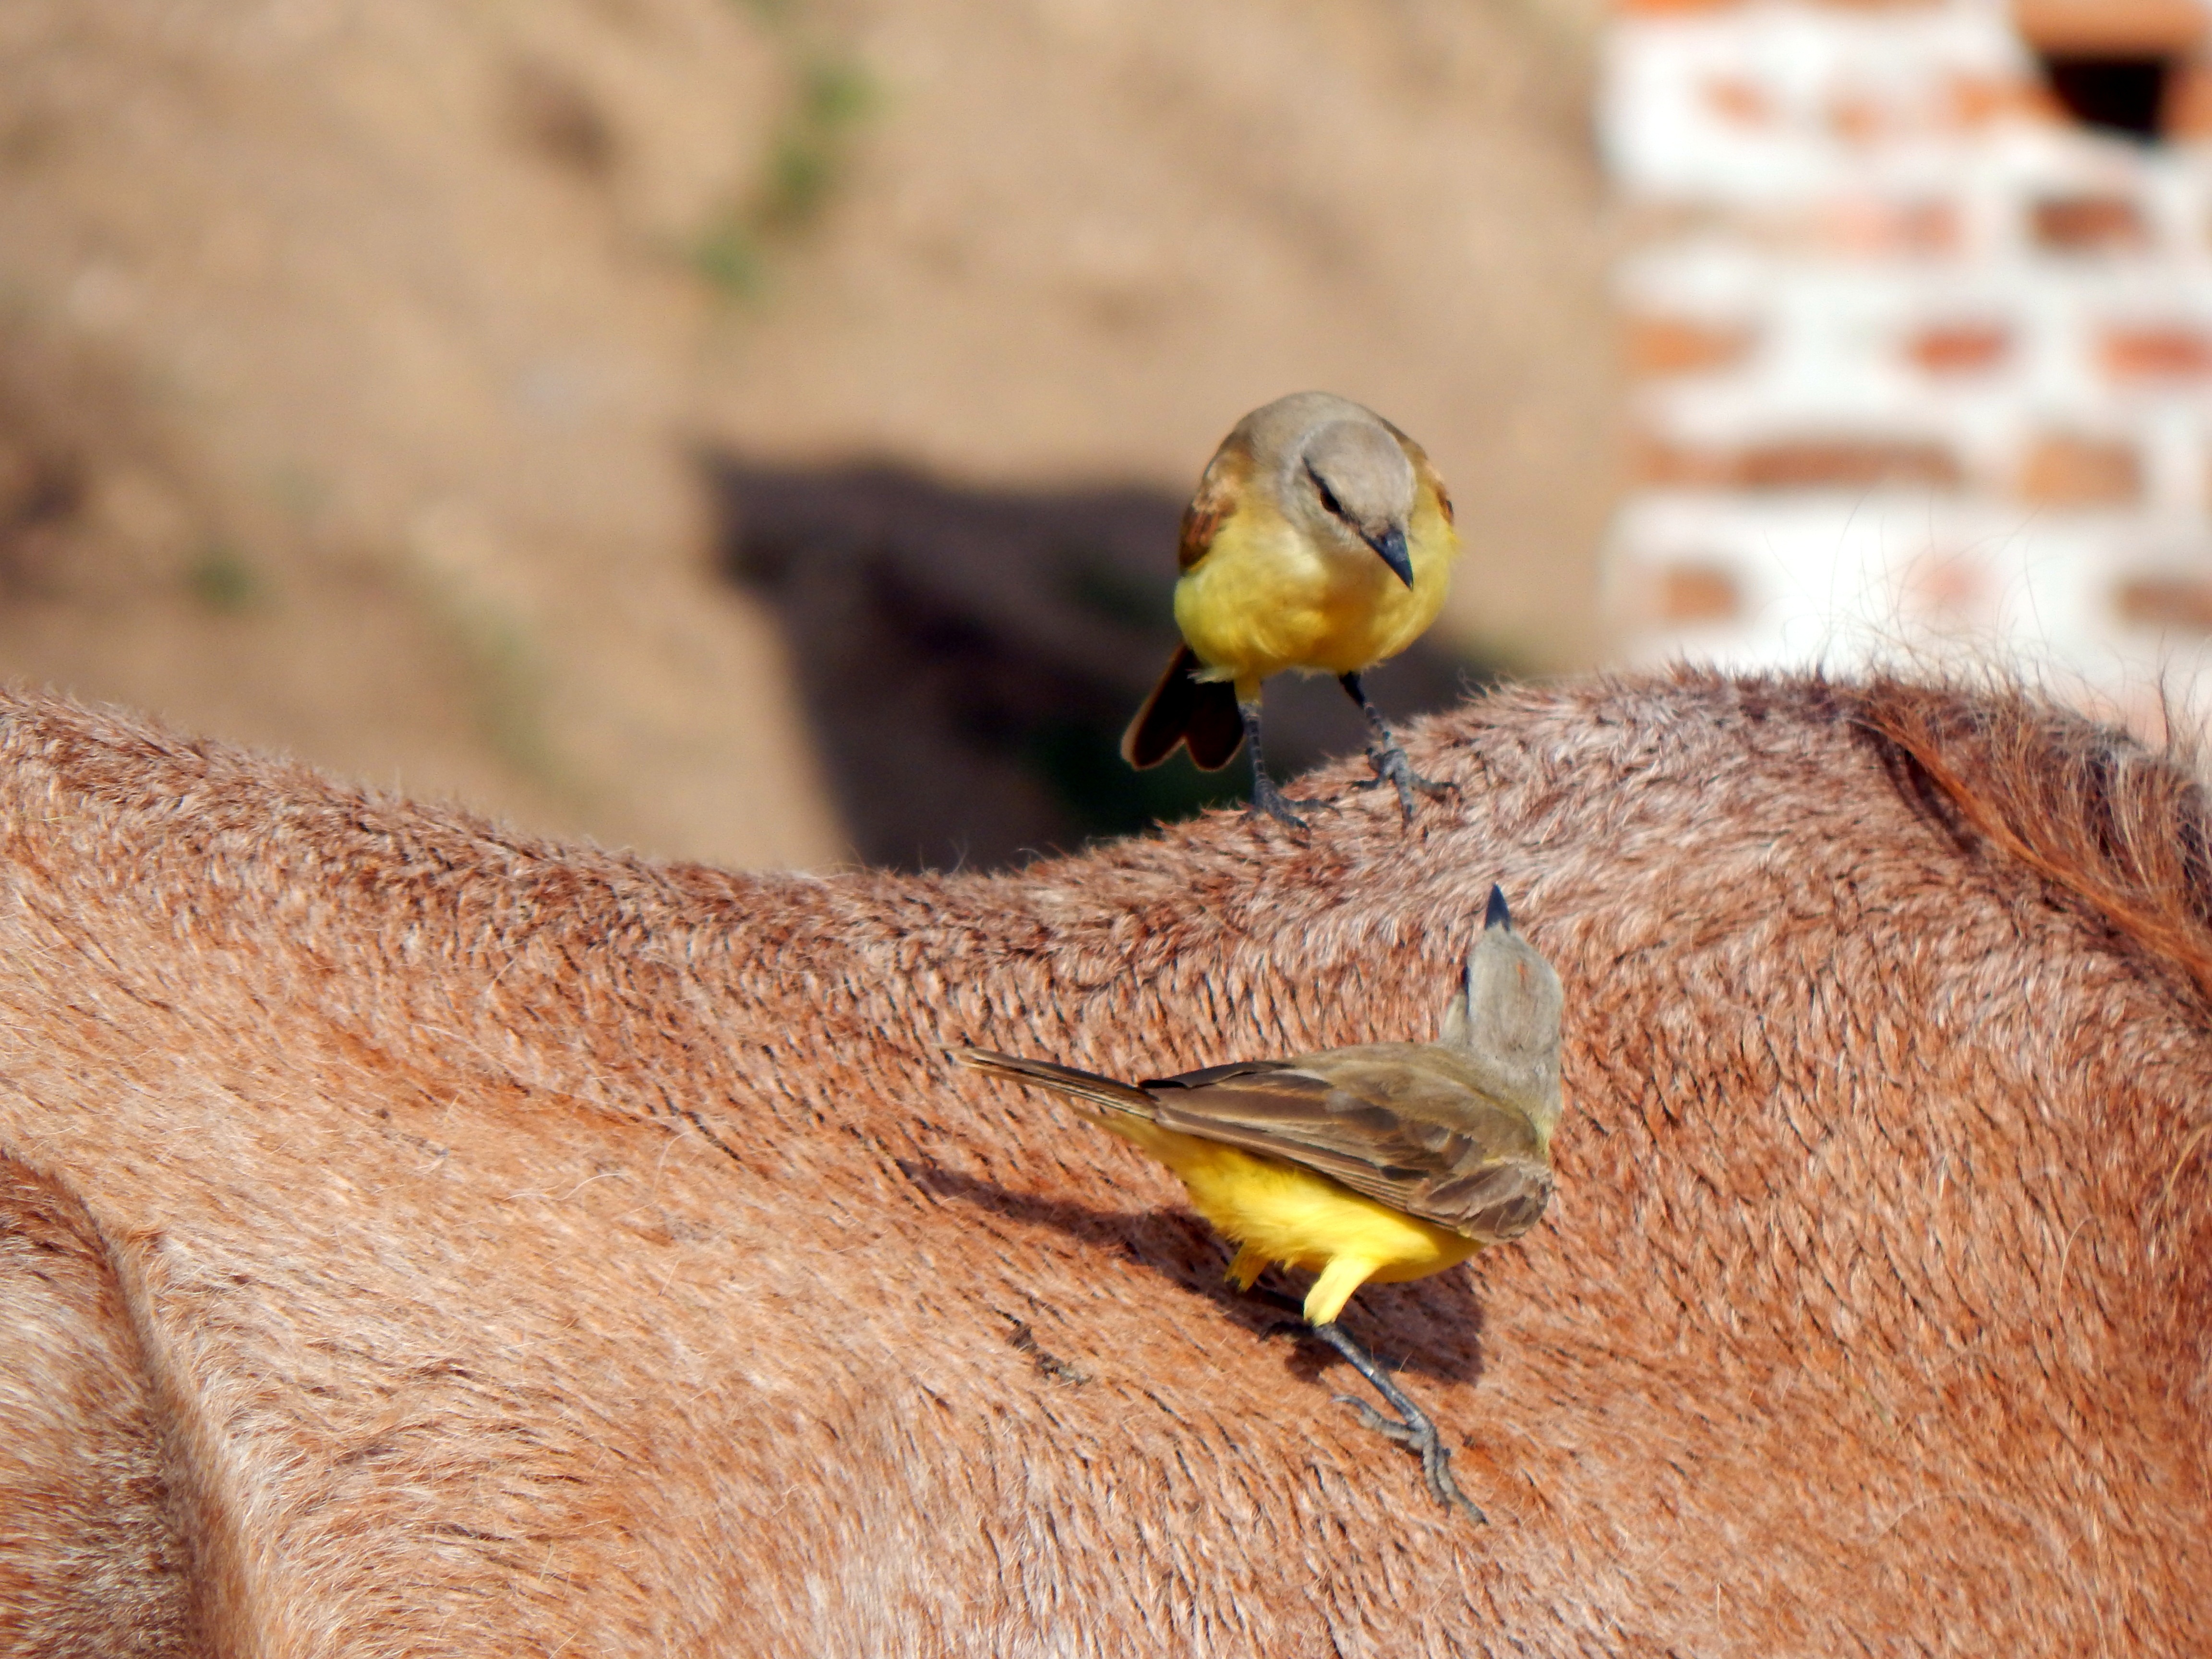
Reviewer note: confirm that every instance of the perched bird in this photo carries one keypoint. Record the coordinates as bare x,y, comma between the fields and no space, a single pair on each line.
1387,1161
1321,538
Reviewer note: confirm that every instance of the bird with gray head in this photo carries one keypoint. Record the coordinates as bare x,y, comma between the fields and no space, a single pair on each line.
1321,539
1381,1162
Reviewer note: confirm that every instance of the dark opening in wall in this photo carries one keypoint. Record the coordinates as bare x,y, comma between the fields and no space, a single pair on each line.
2125,95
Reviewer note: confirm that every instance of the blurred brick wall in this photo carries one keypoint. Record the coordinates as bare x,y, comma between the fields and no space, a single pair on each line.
1919,305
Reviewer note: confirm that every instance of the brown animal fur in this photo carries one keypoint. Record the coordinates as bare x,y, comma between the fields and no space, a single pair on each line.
414,1240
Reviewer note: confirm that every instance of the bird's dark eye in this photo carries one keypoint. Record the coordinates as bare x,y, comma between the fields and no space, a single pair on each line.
1328,496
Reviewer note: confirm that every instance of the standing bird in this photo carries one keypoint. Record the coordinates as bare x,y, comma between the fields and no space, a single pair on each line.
1387,1161
1321,538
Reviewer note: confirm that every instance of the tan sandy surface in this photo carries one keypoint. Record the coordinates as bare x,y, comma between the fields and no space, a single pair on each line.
358,372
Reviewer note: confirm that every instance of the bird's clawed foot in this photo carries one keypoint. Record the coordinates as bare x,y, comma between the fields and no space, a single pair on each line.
1422,1440
1412,1428
1268,801
1391,766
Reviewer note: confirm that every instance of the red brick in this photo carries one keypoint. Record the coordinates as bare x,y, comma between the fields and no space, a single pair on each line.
1688,595
1951,587
1739,102
1858,119
1870,225
1959,348
1836,463
1657,345
2187,115
1975,101
2164,352
1669,8
2179,604
1799,464
2087,223
2067,469
2111,29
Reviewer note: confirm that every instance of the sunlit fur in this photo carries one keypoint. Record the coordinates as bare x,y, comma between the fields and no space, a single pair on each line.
421,1241
1273,594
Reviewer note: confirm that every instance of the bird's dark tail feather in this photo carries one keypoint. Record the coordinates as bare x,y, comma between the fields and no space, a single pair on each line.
1201,713
1060,1079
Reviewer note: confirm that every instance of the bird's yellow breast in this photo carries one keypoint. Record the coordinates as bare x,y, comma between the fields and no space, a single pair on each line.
1299,1217
1264,598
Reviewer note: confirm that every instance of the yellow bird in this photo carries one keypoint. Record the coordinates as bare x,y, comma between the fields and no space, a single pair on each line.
1384,1162
1321,538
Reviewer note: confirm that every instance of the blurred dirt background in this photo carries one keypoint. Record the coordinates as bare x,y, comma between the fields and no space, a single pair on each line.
754,431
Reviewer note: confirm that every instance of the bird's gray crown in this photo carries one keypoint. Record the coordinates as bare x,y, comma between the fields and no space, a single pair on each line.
1326,449
1505,1020
1360,475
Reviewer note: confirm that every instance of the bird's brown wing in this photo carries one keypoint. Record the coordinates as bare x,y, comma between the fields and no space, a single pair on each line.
1219,490
1395,1134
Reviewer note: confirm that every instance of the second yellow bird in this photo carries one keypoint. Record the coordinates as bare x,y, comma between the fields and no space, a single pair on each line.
1321,538
1374,1164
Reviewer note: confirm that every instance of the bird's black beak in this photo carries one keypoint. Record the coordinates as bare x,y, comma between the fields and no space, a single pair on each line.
1497,915
1390,548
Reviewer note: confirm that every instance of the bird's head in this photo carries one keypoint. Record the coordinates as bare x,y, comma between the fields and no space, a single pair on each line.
1351,487
1504,1019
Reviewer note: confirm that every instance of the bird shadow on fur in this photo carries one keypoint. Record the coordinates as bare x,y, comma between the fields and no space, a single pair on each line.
1431,1328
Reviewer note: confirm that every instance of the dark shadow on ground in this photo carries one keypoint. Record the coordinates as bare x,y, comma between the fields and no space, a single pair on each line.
1431,1328
968,657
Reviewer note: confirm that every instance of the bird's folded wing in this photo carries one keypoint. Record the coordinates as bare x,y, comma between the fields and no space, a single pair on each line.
1482,1177
1215,503
1210,1075
1425,471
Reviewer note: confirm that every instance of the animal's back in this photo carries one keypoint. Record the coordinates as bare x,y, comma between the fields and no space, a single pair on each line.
514,1246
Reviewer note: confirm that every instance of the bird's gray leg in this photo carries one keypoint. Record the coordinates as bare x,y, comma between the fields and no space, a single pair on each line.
1388,759
1416,1431
1266,798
